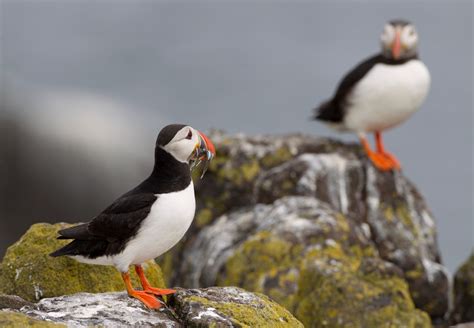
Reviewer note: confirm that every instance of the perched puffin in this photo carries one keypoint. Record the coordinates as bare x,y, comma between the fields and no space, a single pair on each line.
149,219
381,92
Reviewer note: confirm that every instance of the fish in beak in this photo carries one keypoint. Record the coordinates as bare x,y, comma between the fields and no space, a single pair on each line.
204,152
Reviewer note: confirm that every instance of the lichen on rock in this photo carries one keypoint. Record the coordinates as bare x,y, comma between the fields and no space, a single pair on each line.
463,309
28,271
10,319
308,258
230,307
388,218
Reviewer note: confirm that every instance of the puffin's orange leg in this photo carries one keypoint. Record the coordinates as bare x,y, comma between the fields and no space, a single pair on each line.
379,160
147,299
381,149
147,287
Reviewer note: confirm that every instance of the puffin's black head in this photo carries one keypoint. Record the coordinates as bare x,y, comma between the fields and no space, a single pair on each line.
399,40
186,144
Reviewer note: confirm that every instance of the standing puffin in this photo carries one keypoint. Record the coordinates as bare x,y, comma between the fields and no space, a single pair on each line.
381,92
149,219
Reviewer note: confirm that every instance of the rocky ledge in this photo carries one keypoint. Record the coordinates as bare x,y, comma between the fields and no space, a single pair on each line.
209,307
311,223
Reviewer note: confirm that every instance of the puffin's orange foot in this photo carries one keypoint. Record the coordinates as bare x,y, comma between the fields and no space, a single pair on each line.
150,301
395,163
381,161
159,291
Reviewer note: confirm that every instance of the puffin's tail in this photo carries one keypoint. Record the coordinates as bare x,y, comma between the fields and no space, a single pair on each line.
326,112
69,249
79,233
331,114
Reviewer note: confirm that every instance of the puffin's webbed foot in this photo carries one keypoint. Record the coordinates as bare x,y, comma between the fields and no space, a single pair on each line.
381,159
147,287
150,301
394,163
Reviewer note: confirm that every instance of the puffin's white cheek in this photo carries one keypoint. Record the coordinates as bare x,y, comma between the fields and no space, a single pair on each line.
385,39
181,150
387,35
409,41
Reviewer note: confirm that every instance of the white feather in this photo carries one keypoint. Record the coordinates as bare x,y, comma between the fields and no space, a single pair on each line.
169,219
387,96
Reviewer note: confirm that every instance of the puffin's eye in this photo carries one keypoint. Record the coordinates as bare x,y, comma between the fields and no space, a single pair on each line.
190,135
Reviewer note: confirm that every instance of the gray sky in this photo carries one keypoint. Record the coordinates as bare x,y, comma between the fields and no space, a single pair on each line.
259,67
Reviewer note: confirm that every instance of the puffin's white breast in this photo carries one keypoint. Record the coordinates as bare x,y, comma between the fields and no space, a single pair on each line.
169,219
387,96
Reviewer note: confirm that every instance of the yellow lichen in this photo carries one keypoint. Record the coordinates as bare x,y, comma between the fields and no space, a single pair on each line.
10,319
253,314
322,286
203,217
276,157
28,271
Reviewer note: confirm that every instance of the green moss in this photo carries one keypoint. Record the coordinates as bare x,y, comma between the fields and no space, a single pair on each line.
204,217
324,285
28,271
399,212
10,319
464,292
262,313
337,295
277,157
241,174
268,254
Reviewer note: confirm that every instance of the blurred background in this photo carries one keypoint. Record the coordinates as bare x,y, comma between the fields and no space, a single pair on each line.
87,85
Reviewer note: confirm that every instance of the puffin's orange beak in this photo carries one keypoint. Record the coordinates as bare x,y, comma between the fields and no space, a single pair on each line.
204,152
207,145
396,45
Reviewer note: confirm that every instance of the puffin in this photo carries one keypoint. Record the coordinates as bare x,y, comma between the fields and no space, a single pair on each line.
381,92
148,220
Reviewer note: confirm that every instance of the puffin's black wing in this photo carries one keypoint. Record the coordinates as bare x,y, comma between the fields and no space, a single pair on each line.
122,219
333,110
108,232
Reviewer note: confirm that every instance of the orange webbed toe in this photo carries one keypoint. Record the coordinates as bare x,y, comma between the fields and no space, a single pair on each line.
160,291
149,300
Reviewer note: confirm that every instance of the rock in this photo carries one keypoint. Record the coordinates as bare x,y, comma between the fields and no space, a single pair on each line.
12,302
210,307
28,271
463,310
9,319
229,307
309,258
383,213
113,309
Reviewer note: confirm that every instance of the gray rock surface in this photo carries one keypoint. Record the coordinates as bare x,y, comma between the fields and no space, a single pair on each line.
114,309
209,307
12,302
